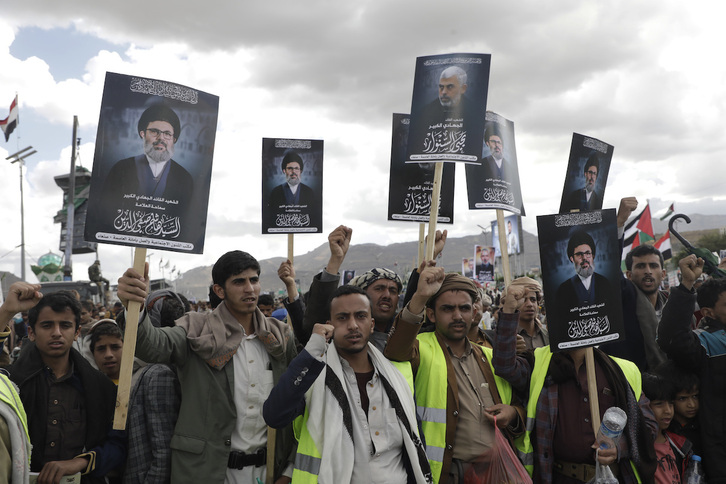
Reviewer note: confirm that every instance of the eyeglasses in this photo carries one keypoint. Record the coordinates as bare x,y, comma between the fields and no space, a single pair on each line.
156,133
293,168
590,172
587,254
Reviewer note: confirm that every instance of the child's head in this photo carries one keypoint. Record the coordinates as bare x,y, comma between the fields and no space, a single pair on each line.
660,392
686,388
107,342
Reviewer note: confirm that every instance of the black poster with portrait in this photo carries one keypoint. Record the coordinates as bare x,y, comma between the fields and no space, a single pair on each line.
587,174
495,182
447,109
580,256
292,186
153,165
411,184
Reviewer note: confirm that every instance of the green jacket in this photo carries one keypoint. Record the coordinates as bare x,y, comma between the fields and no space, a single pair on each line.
202,437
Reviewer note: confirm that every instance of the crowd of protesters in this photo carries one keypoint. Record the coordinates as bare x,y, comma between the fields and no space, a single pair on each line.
369,381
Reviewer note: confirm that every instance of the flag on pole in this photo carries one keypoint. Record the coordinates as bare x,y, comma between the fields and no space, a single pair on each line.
669,212
8,124
664,246
638,223
636,232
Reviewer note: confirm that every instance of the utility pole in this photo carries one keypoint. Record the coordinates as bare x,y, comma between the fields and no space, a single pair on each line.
19,157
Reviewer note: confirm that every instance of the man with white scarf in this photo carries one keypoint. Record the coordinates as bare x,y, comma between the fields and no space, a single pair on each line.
354,412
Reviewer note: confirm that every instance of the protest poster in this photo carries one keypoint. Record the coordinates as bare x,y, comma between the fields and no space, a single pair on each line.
580,257
348,276
292,186
467,267
484,257
152,165
513,235
587,174
447,108
411,184
495,182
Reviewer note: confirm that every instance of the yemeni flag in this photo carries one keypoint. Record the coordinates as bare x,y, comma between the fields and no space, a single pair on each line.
669,212
664,246
8,124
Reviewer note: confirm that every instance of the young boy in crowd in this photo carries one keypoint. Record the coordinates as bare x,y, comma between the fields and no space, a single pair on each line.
673,451
685,403
107,342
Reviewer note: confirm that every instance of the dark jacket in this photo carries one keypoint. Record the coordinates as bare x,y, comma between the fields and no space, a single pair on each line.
682,345
99,394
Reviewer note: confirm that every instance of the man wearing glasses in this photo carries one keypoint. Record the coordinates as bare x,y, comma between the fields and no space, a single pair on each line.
293,191
586,287
586,198
152,176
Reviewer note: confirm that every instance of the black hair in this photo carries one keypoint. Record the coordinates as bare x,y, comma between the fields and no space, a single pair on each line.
593,160
710,291
58,302
578,238
160,112
346,290
656,387
214,300
681,380
88,305
642,251
266,299
233,263
106,328
292,157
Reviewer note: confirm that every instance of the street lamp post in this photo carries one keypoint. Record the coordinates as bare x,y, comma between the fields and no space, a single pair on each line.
19,157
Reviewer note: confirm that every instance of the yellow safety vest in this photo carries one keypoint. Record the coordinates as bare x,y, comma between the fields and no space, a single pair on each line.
542,357
307,459
11,397
431,390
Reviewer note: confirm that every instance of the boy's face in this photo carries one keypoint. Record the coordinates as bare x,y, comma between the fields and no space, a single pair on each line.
663,411
686,405
107,354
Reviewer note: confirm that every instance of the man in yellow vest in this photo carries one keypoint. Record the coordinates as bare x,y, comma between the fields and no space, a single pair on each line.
559,443
457,394
354,410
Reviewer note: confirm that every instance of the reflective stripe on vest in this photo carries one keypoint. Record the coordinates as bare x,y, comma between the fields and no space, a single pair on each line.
542,358
308,459
431,391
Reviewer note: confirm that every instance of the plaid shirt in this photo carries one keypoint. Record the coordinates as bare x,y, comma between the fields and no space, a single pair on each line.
153,410
517,371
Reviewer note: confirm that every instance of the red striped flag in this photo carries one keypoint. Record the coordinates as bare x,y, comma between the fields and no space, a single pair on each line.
8,124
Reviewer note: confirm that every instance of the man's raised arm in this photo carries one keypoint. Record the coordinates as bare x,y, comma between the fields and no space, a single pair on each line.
21,297
401,340
327,281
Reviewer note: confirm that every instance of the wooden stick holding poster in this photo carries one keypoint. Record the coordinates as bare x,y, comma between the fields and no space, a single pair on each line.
433,216
421,243
503,248
592,389
127,357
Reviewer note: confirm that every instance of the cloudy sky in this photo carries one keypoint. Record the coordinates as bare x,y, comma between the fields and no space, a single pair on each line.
644,76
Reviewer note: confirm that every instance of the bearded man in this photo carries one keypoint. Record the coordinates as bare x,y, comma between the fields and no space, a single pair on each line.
153,174
586,287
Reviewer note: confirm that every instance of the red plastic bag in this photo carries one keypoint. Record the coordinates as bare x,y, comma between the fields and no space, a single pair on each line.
499,465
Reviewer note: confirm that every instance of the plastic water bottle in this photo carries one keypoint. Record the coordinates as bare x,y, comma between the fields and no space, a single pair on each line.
611,428
694,473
